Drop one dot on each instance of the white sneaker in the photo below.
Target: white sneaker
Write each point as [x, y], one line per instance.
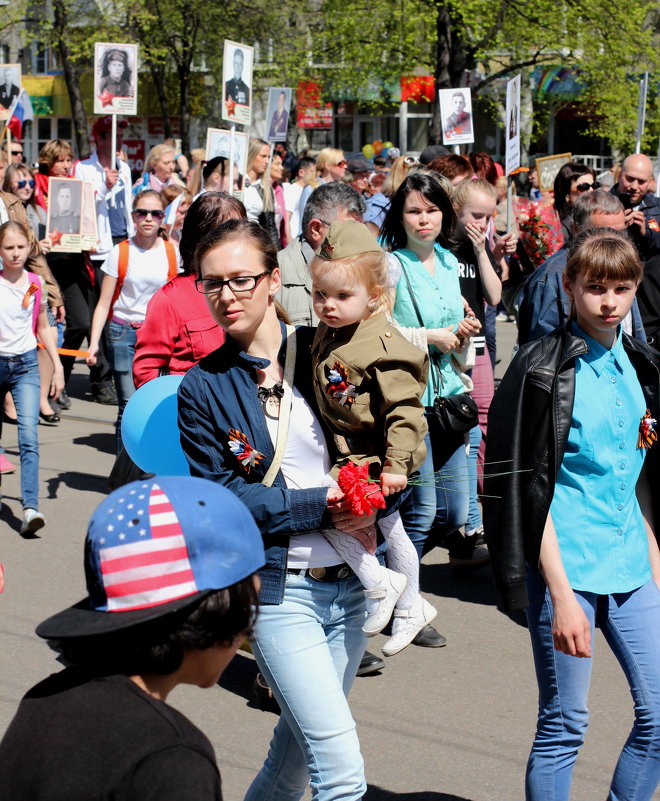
[387, 592]
[407, 624]
[32, 521]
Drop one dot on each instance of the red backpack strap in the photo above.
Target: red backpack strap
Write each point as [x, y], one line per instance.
[122, 269]
[172, 263]
[36, 280]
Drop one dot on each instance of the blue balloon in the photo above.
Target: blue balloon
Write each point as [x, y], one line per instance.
[149, 428]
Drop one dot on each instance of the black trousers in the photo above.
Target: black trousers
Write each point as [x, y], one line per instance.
[80, 298]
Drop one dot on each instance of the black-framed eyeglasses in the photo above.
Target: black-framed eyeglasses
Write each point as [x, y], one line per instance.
[24, 183]
[585, 187]
[214, 286]
[157, 214]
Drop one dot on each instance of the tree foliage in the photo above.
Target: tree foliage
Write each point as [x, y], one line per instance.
[359, 49]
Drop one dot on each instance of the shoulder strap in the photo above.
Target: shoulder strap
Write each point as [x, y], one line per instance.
[36, 280]
[432, 373]
[285, 406]
[172, 266]
[122, 269]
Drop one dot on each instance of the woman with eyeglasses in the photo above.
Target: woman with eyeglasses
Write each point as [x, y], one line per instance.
[570, 182]
[249, 420]
[134, 271]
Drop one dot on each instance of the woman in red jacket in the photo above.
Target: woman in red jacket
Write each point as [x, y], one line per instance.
[179, 330]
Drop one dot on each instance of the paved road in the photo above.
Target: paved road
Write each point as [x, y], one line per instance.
[452, 724]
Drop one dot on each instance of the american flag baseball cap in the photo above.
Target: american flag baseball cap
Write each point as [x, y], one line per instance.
[156, 546]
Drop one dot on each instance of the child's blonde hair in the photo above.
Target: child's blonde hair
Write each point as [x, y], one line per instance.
[367, 269]
[12, 225]
[462, 193]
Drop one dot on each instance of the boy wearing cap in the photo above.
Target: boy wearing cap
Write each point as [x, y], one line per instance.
[171, 595]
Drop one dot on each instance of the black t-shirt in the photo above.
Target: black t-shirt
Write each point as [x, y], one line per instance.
[76, 738]
[472, 288]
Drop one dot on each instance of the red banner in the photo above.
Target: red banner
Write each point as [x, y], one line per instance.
[311, 111]
[418, 88]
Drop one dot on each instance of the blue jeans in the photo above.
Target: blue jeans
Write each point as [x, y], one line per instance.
[474, 513]
[308, 649]
[441, 502]
[20, 376]
[630, 623]
[121, 350]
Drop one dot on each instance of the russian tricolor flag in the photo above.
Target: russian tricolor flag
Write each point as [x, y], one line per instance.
[20, 113]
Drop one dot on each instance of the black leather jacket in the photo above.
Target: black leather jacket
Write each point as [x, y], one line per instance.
[528, 427]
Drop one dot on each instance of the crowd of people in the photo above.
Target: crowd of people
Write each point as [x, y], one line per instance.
[336, 330]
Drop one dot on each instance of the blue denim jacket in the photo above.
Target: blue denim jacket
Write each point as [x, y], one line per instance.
[544, 306]
[220, 393]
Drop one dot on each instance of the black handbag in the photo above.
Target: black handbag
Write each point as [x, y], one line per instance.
[455, 414]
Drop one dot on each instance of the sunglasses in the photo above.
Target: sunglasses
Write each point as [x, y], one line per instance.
[157, 214]
[23, 184]
[341, 163]
[17, 152]
[585, 187]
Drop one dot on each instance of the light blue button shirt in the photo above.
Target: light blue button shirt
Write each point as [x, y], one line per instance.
[440, 304]
[600, 529]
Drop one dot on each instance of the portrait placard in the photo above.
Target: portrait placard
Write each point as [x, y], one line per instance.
[512, 125]
[89, 237]
[63, 225]
[115, 78]
[218, 143]
[547, 169]
[456, 114]
[237, 63]
[277, 117]
[10, 87]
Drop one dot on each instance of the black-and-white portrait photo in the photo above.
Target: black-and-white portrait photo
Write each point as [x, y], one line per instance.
[64, 213]
[115, 78]
[10, 86]
[456, 113]
[237, 83]
[116, 73]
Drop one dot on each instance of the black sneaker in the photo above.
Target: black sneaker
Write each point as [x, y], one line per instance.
[106, 395]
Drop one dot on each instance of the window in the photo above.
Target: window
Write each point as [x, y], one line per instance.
[4, 49]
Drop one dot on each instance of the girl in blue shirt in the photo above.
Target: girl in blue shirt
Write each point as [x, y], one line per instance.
[598, 562]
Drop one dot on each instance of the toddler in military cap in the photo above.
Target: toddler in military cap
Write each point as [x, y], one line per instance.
[368, 381]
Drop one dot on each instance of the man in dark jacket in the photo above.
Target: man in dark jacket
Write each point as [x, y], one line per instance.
[642, 207]
[643, 221]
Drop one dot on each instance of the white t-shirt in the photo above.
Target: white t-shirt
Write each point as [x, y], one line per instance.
[147, 272]
[16, 323]
[292, 193]
[305, 464]
[252, 200]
